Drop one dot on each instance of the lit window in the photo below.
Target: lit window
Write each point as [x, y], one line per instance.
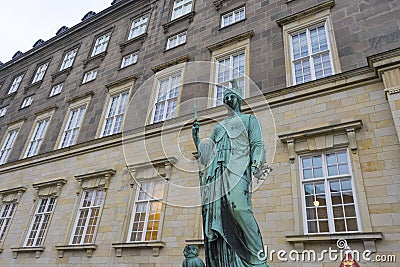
[115, 114]
[129, 60]
[68, 59]
[37, 138]
[41, 70]
[15, 84]
[101, 44]
[138, 27]
[167, 97]
[146, 214]
[176, 40]
[3, 111]
[89, 76]
[311, 56]
[72, 127]
[229, 68]
[8, 145]
[88, 217]
[233, 17]
[40, 222]
[6, 213]
[27, 102]
[56, 89]
[328, 195]
[181, 7]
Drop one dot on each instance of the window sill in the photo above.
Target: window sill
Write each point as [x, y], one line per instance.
[89, 249]
[189, 16]
[38, 251]
[35, 84]
[195, 242]
[367, 238]
[155, 245]
[67, 71]
[100, 56]
[11, 95]
[141, 38]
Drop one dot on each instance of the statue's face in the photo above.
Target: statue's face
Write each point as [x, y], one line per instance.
[231, 100]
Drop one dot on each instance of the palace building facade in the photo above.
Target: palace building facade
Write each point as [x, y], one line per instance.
[98, 166]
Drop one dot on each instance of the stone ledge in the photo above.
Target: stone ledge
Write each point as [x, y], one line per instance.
[170, 63]
[189, 16]
[89, 249]
[140, 38]
[367, 238]
[195, 242]
[155, 245]
[226, 42]
[38, 251]
[66, 71]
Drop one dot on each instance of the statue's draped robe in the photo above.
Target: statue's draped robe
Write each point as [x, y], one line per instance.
[232, 236]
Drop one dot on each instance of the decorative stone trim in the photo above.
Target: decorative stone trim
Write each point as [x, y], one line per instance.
[36, 84]
[100, 56]
[170, 63]
[17, 121]
[306, 12]
[66, 71]
[189, 16]
[140, 38]
[46, 110]
[79, 97]
[48, 188]
[154, 245]
[89, 249]
[195, 242]
[393, 90]
[95, 179]
[37, 250]
[237, 38]
[12, 195]
[367, 238]
[162, 167]
[121, 81]
[348, 128]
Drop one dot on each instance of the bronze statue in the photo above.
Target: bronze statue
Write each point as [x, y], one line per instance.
[192, 260]
[234, 152]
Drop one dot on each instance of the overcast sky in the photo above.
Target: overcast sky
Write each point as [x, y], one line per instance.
[23, 22]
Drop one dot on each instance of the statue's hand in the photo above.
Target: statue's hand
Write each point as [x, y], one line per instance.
[195, 132]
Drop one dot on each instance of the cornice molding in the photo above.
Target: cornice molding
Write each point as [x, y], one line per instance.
[79, 97]
[226, 42]
[170, 63]
[121, 81]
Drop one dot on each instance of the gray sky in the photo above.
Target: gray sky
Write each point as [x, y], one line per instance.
[23, 22]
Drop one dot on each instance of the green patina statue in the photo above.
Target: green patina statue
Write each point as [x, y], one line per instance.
[191, 257]
[234, 152]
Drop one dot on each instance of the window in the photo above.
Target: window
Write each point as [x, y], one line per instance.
[40, 222]
[146, 214]
[8, 144]
[89, 76]
[56, 89]
[129, 60]
[181, 7]
[176, 40]
[72, 128]
[68, 59]
[311, 57]
[167, 97]
[41, 70]
[115, 114]
[6, 213]
[27, 102]
[88, 217]
[233, 17]
[15, 84]
[138, 27]
[101, 44]
[228, 68]
[3, 111]
[37, 138]
[328, 198]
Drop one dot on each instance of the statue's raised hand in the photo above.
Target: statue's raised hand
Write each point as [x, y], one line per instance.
[195, 133]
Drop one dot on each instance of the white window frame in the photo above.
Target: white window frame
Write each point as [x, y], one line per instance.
[93, 205]
[176, 40]
[233, 14]
[56, 89]
[181, 8]
[129, 60]
[27, 102]
[3, 111]
[37, 137]
[101, 44]
[15, 84]
[328, 198]
[115, 113]
[41, 220]
[41, 70]
[8, 142]
[69, 59]
[73, 126]
[6, 215]
[89, 76]
[149, 199]
[138, 26]
[159, 98]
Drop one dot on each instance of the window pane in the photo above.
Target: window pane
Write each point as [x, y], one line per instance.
[322, 213]
[340, 225]
[306, 162]
[350, 211]
[318, 172]
[307, 174]
[338, 212]
[352, 225]
[323, 226]
[311, 213]
[309, 189]
[312, 227]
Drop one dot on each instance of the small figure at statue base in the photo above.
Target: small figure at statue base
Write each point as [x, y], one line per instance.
[192, 260]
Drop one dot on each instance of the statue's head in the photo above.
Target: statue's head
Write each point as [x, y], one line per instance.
[190, 251]
[232, 97]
